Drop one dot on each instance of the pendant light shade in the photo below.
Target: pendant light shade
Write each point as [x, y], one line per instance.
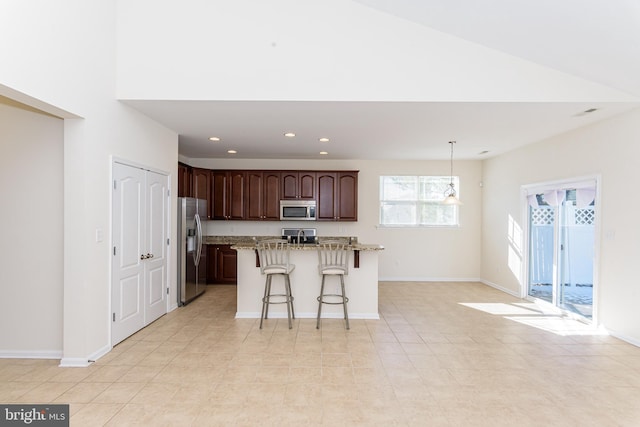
[450, 197]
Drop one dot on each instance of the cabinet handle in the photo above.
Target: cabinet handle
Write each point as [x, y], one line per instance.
[142, 256]
[149, 255]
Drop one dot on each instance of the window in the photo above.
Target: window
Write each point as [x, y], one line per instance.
[416, 201]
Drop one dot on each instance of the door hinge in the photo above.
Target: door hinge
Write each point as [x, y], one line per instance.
[167, 291]
[114, 317]
[114, 184]
[168, 193]
[167, 242]
[114, 251]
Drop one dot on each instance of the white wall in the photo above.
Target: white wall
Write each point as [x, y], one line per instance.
[410, 253]
[31, 186]
[609, 148]
[68, 62]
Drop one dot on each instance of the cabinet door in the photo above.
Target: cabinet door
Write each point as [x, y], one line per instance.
[271, 196]
[254, 202]
[307, 185]
[219, 195]
[236, 195]
[289, 184]
[212, 263]
[327, 199]
[347, 189]
[184, 180]
[227, 265]
[202, 187]
[298, 185]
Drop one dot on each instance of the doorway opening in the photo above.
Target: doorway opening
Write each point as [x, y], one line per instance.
[561, 235]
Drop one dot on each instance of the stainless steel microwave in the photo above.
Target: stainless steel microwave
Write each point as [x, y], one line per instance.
[298, 210]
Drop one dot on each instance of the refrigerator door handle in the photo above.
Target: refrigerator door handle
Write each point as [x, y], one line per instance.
[198, 251]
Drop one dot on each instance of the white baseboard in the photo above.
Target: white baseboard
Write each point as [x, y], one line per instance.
[623, 337]
[283, 315]
[74, 362]
[429, 279]
[500, 288]
[26, 354]
[79, 362]
[99, 353]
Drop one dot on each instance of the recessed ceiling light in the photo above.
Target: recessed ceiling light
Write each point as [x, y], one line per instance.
[231, 151]
[289, 134]
[324, 153]
[324, 140]
[484, 152]
[214, 138]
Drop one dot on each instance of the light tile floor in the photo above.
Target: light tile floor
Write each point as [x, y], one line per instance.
[443, 354]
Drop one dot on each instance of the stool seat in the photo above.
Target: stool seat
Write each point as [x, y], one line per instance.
[279, 269]
[333, 260]
[273, 255]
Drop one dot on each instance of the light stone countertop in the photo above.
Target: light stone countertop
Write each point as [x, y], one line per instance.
[249, 243]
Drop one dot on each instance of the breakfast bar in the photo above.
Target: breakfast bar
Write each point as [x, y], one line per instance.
[361, 283]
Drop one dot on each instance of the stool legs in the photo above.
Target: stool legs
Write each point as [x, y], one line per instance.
[343, 297]
[320, 302]
[344, 301]
[288, 299]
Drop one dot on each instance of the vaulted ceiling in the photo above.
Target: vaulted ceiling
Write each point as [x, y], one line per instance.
[589, 42]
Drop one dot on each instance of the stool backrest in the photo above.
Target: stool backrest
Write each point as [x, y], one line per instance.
[333, 256]
[273, 255]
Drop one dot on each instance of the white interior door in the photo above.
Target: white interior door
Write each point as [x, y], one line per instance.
[127, 286]
[139, 268]
[157, 210]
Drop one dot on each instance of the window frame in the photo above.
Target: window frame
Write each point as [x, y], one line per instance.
[418, 202]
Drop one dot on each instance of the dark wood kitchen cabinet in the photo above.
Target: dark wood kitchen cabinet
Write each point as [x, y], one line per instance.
[222, 265]
[227, 194]
[254, 195]
[201, 187]
[337, 196]
[184, 180]
[262, 195]
[298, 185]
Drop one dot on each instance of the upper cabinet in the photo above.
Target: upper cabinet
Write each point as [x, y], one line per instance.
[201, 187]
[298, 185]
[184, 180]
[337, 196]
[255, 195]
[262, 195]
[227, 194]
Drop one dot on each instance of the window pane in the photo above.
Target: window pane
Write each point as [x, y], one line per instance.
[398, 214]
[438, 214]
[434, 187]
[399, 188]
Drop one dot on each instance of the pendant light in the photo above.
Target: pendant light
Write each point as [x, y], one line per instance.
[450, 193]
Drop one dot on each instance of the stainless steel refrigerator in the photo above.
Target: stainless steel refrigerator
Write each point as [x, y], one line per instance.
[192, 264]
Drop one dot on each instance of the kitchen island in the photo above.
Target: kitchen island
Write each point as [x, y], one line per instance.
[361, 283]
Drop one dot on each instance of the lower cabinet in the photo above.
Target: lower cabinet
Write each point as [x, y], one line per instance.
[222, 265]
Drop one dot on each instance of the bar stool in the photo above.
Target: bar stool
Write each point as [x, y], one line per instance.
[333, 260]
[274, 261]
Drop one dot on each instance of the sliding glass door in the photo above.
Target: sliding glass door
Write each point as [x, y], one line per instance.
[561, 248]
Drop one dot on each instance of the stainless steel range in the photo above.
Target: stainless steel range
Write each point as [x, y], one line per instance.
[300, 235]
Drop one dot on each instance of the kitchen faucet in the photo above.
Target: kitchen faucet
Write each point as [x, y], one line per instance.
[300, 232]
